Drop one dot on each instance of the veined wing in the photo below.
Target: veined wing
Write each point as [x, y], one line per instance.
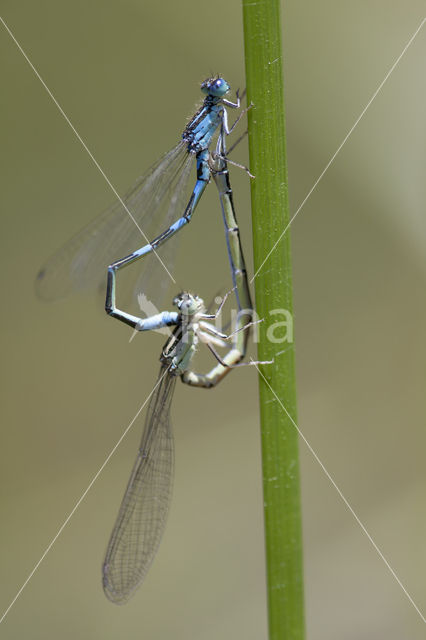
[155, 201]
[143, 512]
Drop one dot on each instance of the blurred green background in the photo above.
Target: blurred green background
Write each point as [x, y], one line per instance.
[127, 74]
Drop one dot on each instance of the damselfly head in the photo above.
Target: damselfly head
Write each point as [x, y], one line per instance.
[188, 304]
[216, 87]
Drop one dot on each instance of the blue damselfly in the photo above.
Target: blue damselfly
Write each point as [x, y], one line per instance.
[152, 205]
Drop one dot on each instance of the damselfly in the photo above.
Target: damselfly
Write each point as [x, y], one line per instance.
[141, 520]
[151, 206]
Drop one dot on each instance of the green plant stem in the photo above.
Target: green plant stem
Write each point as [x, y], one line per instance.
[273, 286]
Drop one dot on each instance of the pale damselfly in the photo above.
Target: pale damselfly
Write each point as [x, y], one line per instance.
[142, 516]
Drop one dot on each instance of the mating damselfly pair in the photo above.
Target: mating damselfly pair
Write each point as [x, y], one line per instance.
[159, 197]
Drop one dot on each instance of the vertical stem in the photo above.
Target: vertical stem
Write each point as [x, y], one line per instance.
[273, 286]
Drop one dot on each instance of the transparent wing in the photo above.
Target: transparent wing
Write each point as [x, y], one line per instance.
[155, 201]
[143, 512]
